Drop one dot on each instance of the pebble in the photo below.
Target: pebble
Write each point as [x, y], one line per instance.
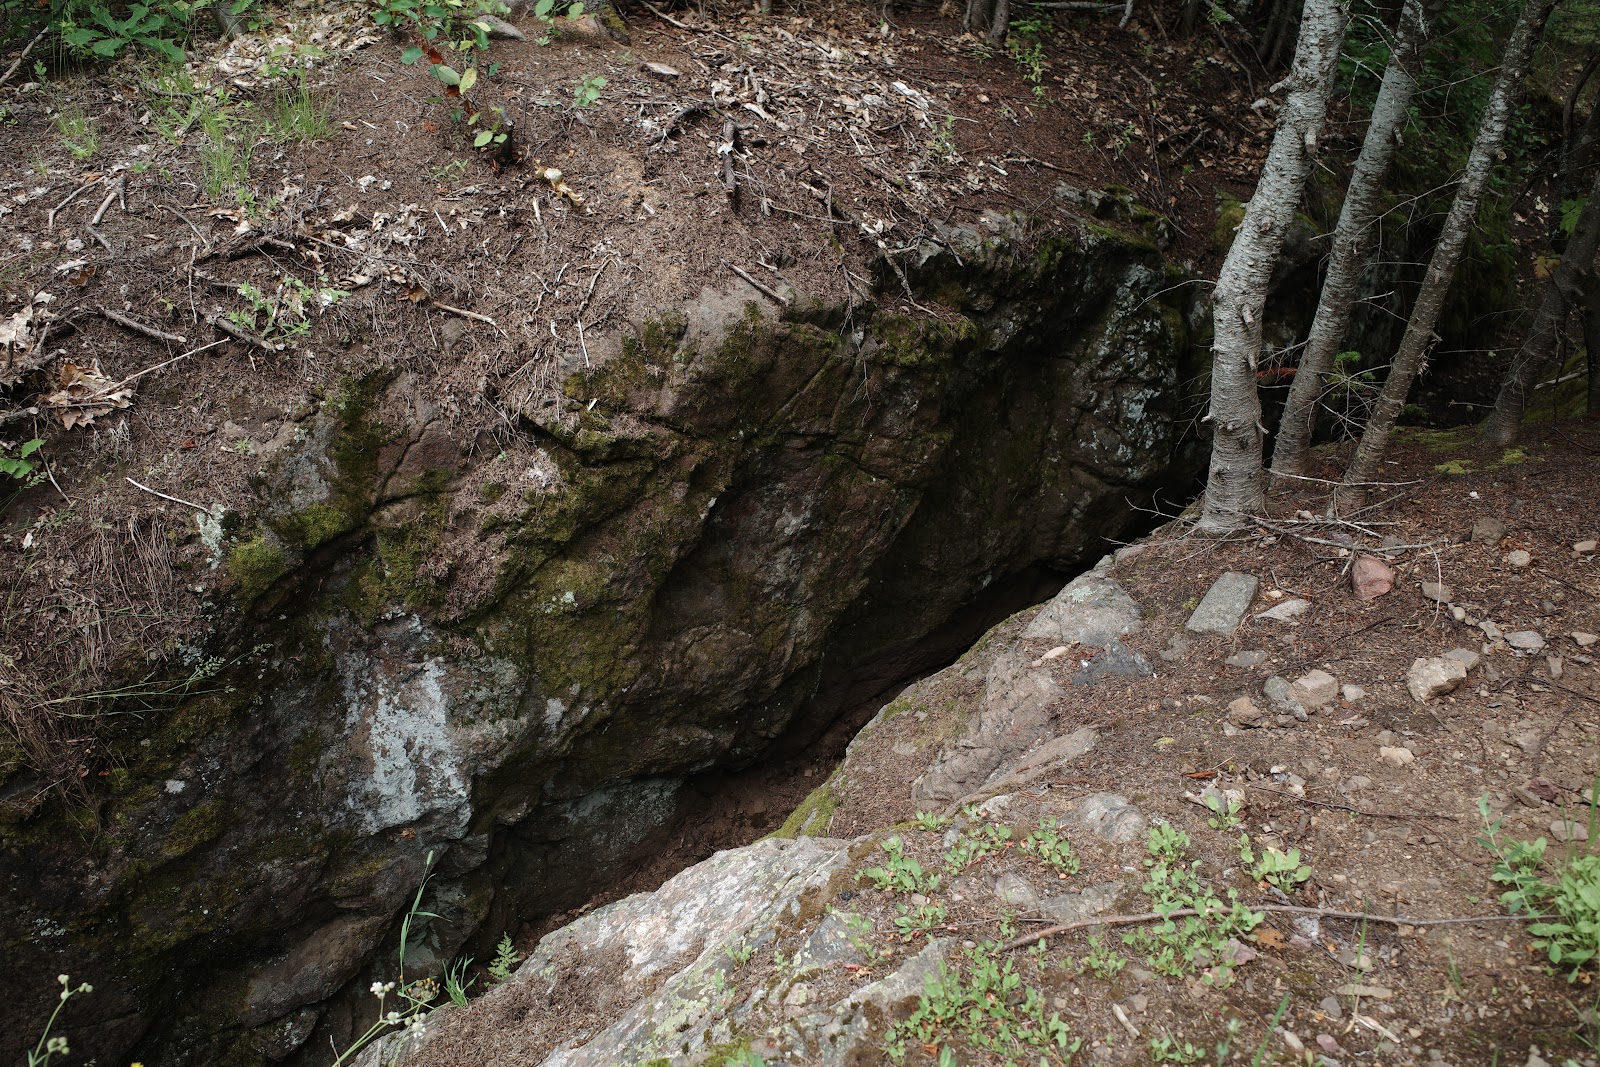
[1331, 1007]
[1437, 591]
[1584, 640]
[1370, 577]
[1434, 677]
[1315, 689]
[1582, 547]
[1250, 658]
[1458, 613]
[1243, 712]
[1519, 558]
[1525, 640]
[1556, 666]
[1488, 530]
[1466, 657]
[1396, 757]
[1352, 693]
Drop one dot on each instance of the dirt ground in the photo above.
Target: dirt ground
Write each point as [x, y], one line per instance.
[188, 276]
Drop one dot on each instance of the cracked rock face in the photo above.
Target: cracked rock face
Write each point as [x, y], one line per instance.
[513, 657]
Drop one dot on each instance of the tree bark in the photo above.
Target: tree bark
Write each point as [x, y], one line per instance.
[1538, 353]
[1352, 240]
[1419, 334]
[1591, 336]
[1234, 486]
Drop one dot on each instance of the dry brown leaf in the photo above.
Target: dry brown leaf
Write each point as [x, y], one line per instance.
[84, 395]
[1270, 938]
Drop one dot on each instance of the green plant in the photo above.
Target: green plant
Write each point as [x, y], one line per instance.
[942, 145]
[18, 466]
[587, 89]
[416, 997]
[1282, 869]
[1050, 848]
[297, 114]
[506, 958]
[225, 154]
[1171, 1050]
[1026, 47]
[1568, 904]
[980, 840]
[900, 873]
[911, 922]
[1225, 812]
[286, 316]
[47, 1046]
[1102, 962]
[745, 1057]
[1187, 945]
[102, 34]
[78, 132]
[454, 987]
[984, 1004]
[927, 820]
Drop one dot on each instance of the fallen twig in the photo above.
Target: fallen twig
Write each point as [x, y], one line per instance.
[221, 322]
[730, 179]
[473, 315]
[1291, 909]
[138, 327]
[50, 219]
[174, 499]
[663, 16]
[760, 286]
[16, 64]
[1347, 807]
[120, 188]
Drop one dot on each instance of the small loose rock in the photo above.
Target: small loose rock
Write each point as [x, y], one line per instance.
[1519, 558]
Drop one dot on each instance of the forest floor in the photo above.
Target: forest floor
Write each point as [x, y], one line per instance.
[191, 259]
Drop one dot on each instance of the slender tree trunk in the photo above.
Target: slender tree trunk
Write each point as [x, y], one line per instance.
[1000, 23]
[1452, 242]
[1234, 486]
[1538, 353]
[1591, 336]
[1351, 241]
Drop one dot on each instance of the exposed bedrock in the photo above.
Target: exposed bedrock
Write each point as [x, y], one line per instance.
[511, 648]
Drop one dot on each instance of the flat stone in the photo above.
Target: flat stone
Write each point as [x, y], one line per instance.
[1396, 756]
[499, 29]
[1525, 640]
[1437, 592]
[1315, 689]
[1434, 677]
[1072, 907]
[1116, 660]
[1555, 665]
[1091, 610]
[1352, 693]
[1584, 640]
[1013, 889]
[1243, 712]
[1466, 657]
[1108, 816]
[1488, 530]
[1519, 557]
[1225, 604]
[1287, 611]
[1583, 547]
[1370, 577]
[1490, 630]
[1252, 658]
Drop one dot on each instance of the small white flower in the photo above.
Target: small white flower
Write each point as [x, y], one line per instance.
[377, 989]
[393, 1018]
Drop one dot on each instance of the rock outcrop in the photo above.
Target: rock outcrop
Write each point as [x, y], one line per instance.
[511, 649]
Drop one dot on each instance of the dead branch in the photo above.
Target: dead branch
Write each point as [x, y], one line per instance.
[1347, 807]
[221, 322]
[16, 64]
[50, 219]
[119, 189]
[140, 328]
[760, 286]
[1291, 909]
[164, 496]
[473, 315]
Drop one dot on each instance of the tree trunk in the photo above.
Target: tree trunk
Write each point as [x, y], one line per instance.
[1000, 24]
[1538, 353]
[1234, 486]
[1452, 241]
[1351, 241]
[1591, 336]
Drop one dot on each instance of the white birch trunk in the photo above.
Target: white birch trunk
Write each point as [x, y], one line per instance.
[1538, 353]
[1234, 486]
[1352, 239]
[1419, 334]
